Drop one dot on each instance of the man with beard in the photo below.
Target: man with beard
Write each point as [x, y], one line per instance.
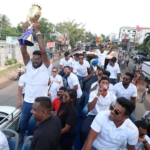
[37, 77]
[57, 101]
[128, 90]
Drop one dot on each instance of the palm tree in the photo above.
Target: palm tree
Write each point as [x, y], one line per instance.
[4, 21]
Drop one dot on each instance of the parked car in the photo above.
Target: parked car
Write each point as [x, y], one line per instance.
[142, 53]
[136, 57]
[141, 59]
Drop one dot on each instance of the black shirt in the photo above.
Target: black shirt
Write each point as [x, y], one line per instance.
[68, 116]
[47, 135]
[88, 84]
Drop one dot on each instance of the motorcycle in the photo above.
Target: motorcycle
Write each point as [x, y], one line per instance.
[18, 74]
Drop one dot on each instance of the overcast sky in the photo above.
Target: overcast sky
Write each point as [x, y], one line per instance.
[99, 16]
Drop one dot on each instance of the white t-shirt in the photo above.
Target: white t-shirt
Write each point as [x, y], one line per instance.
[138, 146]
[20, 69]
[64, 63]
[113, 70]
[145, 91]
[58, 78]
[22, 82]
[103, 103]
[81, 70]
[74, 63]
[53, 89]
[101, 58]
[72, 81]
[120, 91]
[3, 142]
[147, 114]
[111, 87]
[36, 81]
[110, 137]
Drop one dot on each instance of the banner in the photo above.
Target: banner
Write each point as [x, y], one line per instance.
[50, 44]
[101, 37]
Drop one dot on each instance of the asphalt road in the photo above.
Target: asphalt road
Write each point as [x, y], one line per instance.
[8, 93]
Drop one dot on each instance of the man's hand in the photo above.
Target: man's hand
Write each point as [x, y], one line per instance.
[141, 140]
[36, 27]
[100, 91]
[25, 25]
[19, 104]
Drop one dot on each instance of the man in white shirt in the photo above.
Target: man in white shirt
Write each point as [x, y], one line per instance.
[114, 70]
[37, 77]
[110, 129]
[53, 89]
[73, 82]
[99, 100]
[146, 117]
[21, 89]
[3, 142]
[101, 56]
[144, 94]
[143, 139]
[75, 61]
[128, 90]
[81, 69]
[67, 61]
[56, 77]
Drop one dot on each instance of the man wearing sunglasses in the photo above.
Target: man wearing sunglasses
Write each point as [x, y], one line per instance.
[81, 69]
[56, 77]
[127, 89]
[99, 100]
[111, 128]
[37, 77]
[143, 140]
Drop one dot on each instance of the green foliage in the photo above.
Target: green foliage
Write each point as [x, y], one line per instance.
[14, 61]
[73, 30]
[9, 62]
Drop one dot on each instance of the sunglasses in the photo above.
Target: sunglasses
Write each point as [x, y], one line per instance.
[116, 111]
[36, 60]
[54, 71]
[80, 58]
[65, 95]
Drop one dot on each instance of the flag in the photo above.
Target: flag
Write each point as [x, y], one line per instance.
[101, 37]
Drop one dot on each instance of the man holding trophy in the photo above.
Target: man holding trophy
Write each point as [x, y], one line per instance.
[38, 72]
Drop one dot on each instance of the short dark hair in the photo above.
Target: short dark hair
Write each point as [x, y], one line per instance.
[44, 102]
[113, 59]
[141, 124]
[68, 67]
[95, 56]
[76, 54]
[37, 52]
[84, 52]
[66, 54]
[104, 78]
[101, 47]
[125, 103]
[106, 73]
[80, 55]
[130, 75]
[63, 88]
[55, 68]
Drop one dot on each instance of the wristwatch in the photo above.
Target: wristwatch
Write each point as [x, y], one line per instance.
[38, 33]
[145, 142]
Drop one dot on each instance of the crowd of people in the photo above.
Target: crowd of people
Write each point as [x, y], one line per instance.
[53, 98]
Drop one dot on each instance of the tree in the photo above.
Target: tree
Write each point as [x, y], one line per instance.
[146, 41]
[4, 22]
[74, 31]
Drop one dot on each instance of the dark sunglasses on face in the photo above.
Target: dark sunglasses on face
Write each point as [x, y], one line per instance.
[80, 58]
[116, 111]
[65, 95]
[36, 60]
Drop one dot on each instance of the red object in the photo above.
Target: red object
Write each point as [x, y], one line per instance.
[56, 104]
[138, 28]
[50, 44]
[54, 71]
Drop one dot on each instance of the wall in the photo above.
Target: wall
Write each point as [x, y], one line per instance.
[13, 51]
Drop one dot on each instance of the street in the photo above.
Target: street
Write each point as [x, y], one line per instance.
[8, 93]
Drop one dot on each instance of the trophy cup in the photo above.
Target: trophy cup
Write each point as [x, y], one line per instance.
[34, 15]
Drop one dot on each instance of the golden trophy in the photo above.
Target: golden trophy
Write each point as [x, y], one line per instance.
[34, 15]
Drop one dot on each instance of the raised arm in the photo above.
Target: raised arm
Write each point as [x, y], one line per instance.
[45, 58]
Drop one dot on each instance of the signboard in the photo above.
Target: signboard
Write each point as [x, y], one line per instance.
[50, 44]
[11, 40]
[60, 37]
